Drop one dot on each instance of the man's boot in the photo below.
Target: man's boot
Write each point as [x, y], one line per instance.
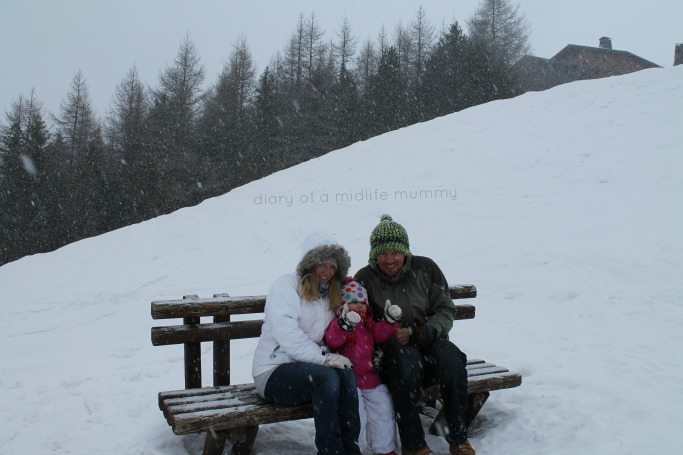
[462, 449]
[423, 451]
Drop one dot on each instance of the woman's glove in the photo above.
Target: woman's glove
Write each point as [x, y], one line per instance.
[348, 319]
[392, 313]
[337, 361]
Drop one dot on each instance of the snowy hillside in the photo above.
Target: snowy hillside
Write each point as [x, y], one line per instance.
[563, 207]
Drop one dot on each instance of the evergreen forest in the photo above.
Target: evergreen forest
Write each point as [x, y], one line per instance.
[175, 142]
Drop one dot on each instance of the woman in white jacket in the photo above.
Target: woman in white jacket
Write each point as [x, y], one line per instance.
[291, 364]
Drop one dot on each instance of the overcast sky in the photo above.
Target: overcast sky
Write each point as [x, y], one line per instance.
[46, 42]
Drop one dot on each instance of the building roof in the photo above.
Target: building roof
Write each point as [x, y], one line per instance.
[573, 49]
[576, 62]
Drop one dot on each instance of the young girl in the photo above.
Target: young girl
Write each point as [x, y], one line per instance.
[353, 333]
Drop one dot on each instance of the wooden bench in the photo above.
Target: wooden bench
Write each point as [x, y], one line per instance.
[234, 412]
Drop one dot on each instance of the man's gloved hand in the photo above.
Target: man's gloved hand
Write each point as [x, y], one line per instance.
[337, 361]
[348, 319]
[392, 313]
[423, 336]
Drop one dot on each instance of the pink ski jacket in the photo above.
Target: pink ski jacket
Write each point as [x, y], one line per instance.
[358, 345]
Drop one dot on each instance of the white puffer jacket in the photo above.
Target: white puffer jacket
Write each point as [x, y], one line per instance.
[293, 329]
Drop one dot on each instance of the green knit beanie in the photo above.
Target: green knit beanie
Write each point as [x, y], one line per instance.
[388, 235]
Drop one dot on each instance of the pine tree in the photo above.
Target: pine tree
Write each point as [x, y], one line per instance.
[304, 109]
[404, 48]
[444, 84]
[125, 131]
[16, 184]
[268, 137]
[345, 46]
[461, 73]
[499, 26]
[320, 103]
[422, 35]
[313, 37]
[226, 125]
[81, 181]
[76, 122]
[29, 215]
[347, 105]
[387, 102]
[366, 66]
[296, 53]
[172, 130]
[488, 78]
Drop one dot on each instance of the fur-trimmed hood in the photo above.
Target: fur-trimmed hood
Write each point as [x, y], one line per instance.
[318, 250]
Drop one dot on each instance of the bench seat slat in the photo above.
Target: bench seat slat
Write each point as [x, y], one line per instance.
[248, 416]
[484, 371]
[233, 394]
[496, 381]
[206, 390]
[217, 395]
[249, 388]
[229, 405]
[235, 399]
[226, 398]
[173, 405]
[239, 406]
[479, 365]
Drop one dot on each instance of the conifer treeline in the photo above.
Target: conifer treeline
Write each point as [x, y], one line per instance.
[161, 149]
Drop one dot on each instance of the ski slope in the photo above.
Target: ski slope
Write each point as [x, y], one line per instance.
[563, 207]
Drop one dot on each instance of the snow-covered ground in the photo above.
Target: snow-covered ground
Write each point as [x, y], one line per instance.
[567, 216]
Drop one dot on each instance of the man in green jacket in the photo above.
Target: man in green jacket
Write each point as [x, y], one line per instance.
[420, 349]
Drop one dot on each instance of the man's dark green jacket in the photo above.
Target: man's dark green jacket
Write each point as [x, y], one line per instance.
[420, 289]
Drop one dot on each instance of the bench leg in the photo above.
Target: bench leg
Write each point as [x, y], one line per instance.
[214, 443]
[438, 425]
[242, 440]
[475, 401]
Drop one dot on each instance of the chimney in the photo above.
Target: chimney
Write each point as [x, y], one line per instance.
[605, 43]
[678, 54]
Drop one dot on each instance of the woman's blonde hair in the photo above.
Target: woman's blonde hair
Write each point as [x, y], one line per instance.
[308, 290]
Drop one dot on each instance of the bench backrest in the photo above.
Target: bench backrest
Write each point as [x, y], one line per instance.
[220, 329]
